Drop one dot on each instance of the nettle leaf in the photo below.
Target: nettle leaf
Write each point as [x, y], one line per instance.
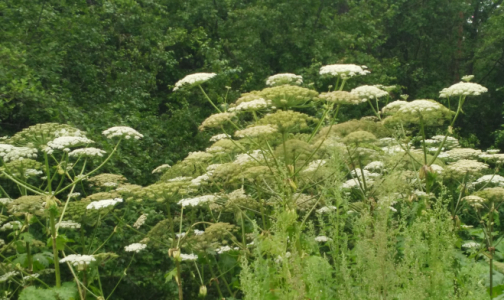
[27, 237]
[67, 291]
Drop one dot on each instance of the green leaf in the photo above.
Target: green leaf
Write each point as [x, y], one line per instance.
[170, 275]
[61, 241]
[68, 291]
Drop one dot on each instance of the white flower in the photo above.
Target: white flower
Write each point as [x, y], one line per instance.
[5, 148]
[375, 165]
[216, 120]
[219, 137]
[437, 168]
[161, 168]
[198, 156]
[140, 221]
[326, 209]
[201, 179]
[322, 238]
[197, 200]
[223, 249]
[11, 225]
[471, 245]
[314, 165]
[465, 165]
[255, 131]
[32, 172]
[244, 158]
[496, 179]
[253, 105]
[122, 131]
[68, 224]
[344, 70]
[30, 277]
[196, 78]
[5, 201]
[78, 259]
[188, 257]
[135, 247]
[180, 178]
[368, 92]
[89, 152]
[284, 78]
[463, 89]
[103, 203]
[198, 232]
[493, 151]
[8, 275]
[68, 141]
[420, 105]
[20, 153]
[393, 106]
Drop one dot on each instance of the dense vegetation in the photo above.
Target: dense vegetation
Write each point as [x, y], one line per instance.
[320, 185]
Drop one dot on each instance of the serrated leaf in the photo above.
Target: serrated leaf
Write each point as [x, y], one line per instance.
[67, 291]
[61, 241]
[33, 293]
[170, 275]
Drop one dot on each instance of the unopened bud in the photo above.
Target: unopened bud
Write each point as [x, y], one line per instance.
[202, 291]
[175, 253]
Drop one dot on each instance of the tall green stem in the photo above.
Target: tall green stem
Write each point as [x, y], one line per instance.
[52, 220]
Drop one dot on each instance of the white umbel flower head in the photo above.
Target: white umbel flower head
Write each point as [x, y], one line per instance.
[256, 131]
[322, 239]
[161, 168]
[193, 79]
[463, 89]
[284, 78]
[5, 148]
[314, 165]
[471, 245]
[78, 259]
[11, 225]
[368, 92]
[223, 249]
[68, 224]
[140, 221]
[188, 257]
[219, 137]
[253, 105]
[87, 152]
[197, 200]
[8, 275]
[122, 131]
[104, 203]
[393, 106]
[20, 153]
[65, 142]
[344, 70]
[135, 247]
[326, 209]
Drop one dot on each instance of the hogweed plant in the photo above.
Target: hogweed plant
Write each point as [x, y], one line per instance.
[42, 168]
[286, 202]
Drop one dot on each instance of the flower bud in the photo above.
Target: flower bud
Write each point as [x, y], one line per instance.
[202, 291]
[175, 253]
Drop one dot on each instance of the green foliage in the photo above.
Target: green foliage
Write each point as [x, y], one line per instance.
[68, 291]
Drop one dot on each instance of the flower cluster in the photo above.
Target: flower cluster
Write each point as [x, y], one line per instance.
[87, 152]
[368, 92]
[341, 97]
[343, 70]
[463, 89]
[135, 247]
[256, 131]
[104, 203]
[65, 142]
[78, 259]
[161, 168]
[122, 131]
[197, 200]
[284, 78]
[219, 137]
[253, 105]
[20, 153]
[68, 224]
[194, 79]
[322, 239]
[464, 166]
[140, 221]
[216, 120]
[188, 257]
